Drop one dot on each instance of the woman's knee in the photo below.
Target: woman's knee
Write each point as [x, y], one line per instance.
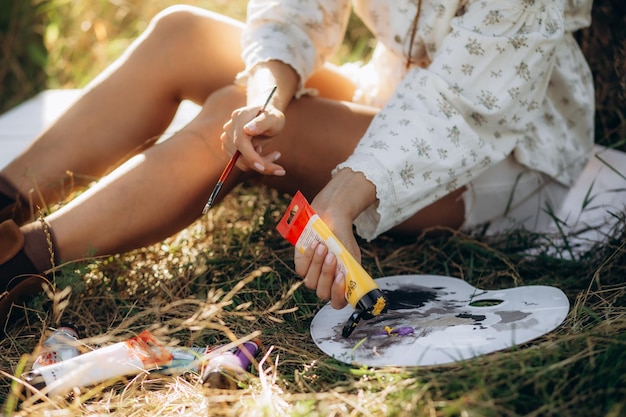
[199, 49]
[178, 22]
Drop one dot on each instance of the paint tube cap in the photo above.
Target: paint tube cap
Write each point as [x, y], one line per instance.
[60, 345]
[70, 328]
[369, 306]
[351, 323]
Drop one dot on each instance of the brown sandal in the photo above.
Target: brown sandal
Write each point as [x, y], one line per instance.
[23, 288]
[19, 278]
[13, 206]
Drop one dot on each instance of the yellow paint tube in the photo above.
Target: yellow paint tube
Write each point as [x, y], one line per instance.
[301, 226]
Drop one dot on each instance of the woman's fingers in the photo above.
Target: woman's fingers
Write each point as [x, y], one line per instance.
[248, 139]
[318, 266]
[309, 264]
[326, 277]
[338, 292]
[269, 165]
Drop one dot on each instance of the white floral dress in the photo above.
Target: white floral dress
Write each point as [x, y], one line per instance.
[489, 78]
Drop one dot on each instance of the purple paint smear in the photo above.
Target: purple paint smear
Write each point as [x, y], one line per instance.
[398, 331]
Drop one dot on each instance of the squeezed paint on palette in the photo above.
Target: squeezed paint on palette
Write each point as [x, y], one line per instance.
[436, 324]
[417, 312]
[408, 298]
[405, 307]
[402, 298]
[511, 316]
[477, 318]
[413, 299]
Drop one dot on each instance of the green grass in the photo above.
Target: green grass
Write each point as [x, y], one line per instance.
[204, 288]
[182, 289]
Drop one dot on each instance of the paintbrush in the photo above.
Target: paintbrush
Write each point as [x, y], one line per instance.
[232, 162]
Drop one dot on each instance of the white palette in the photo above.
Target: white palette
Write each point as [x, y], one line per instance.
[432, 322]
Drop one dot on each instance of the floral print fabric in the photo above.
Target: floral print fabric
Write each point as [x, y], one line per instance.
[486, 79]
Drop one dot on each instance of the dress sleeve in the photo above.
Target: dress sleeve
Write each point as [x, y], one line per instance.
[447, 123]
[301, 33]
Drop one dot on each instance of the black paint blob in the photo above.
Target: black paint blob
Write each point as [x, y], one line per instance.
[407, 298]
[476, 317]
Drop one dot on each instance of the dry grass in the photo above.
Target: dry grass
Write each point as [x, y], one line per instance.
[229, 275]
[204, 288]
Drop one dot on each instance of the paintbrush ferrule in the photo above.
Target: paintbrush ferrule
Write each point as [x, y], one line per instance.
[209, 202]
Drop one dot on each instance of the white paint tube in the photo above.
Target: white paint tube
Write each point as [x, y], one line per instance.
[126, 358]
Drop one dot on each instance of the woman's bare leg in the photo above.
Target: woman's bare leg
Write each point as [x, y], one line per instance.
[127, 107]
[162, 190]
[149, 197]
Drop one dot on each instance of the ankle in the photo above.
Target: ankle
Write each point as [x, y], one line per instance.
[13, 205]
[39, 245]
[25, 250]
[19, 269]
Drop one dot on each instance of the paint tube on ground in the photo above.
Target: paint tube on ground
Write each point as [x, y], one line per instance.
[62, 344]
[187, 359]
[184, 359]
[130, 357]
[227, 369]
[300, 225]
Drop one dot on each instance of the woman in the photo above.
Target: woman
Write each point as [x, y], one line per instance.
[468, 113]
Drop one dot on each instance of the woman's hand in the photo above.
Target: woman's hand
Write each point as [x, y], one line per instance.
[246, 131]
[340, 202]
[249, 127]
[318, 266]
